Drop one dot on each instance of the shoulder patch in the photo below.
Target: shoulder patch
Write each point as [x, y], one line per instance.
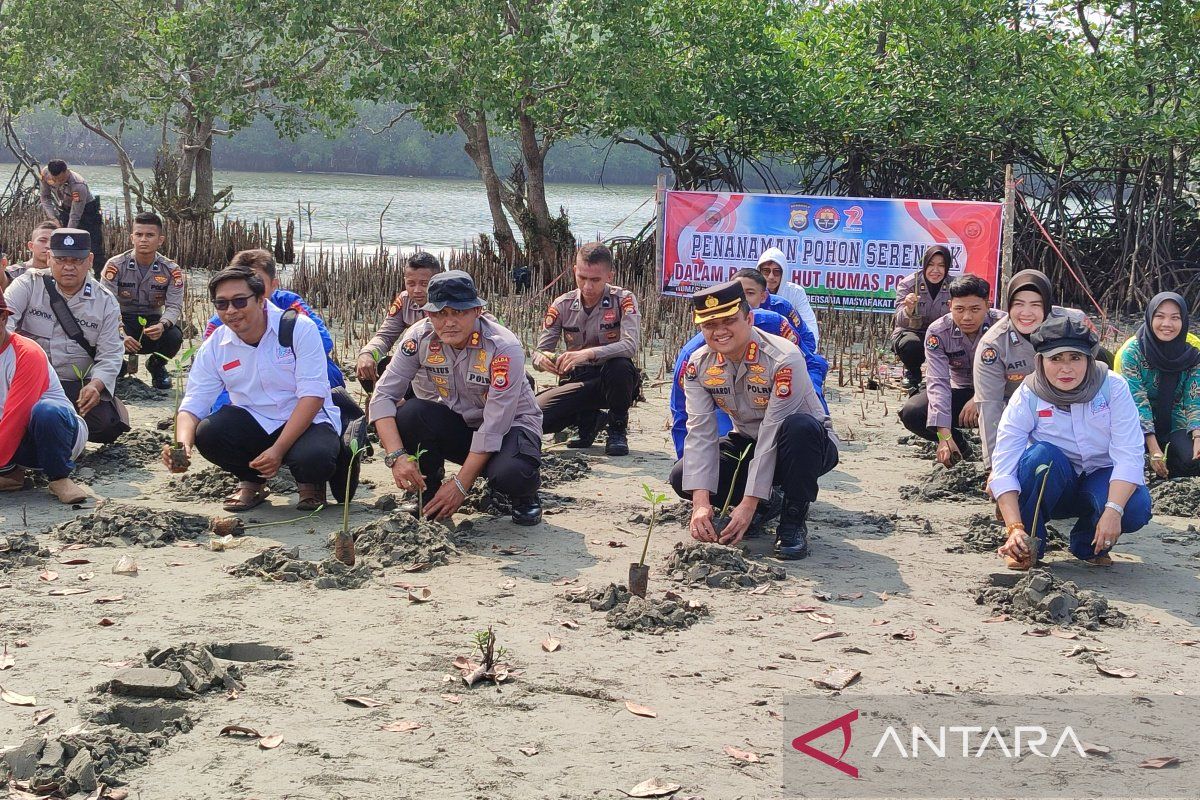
[551, 316]
[500, 379]
[177, 274]
[783, 382]
[932, 342]
[689, 371]
[628, 305]
[988, 356]
[409, 347]
[110, 273]
[396, 306]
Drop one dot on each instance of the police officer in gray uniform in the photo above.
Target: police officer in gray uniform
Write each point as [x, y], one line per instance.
[85, 354]
[921, 298]
[405, 310]
[150, 286]
[471, 405]
[1005, 354]
[781, 434]
[946, 405]
[602, 330]
[65, 196]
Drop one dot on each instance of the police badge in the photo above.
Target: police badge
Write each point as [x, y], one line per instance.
[798, 220]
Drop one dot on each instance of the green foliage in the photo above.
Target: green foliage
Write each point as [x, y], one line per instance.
[655, 499]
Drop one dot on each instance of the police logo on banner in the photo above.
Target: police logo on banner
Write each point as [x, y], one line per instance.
[827, 219]
[798, 220]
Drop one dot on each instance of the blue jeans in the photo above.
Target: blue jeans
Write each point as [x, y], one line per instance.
[49, 439]
[1069, 495]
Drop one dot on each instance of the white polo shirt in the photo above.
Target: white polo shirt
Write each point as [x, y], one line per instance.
[266, 379]
[795, 294]
[1103, 433]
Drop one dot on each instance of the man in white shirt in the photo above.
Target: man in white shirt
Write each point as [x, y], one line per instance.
[280, 412]
[773, 266]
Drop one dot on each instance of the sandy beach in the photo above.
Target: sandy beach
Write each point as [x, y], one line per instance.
[884, 573]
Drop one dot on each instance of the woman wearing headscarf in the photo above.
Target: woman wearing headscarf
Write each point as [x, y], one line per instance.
[1069, 445]
[1005, 355]
[921, 298]
[1163, 371]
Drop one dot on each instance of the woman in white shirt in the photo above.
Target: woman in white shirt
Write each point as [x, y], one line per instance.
[1071, 436]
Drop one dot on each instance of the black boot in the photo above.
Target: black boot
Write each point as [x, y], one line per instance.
[160, 378]
[527, 510]
[617, 443]
[766, 512]
[792, 532]
[590, 423]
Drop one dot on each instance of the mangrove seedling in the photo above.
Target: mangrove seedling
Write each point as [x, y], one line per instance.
[142, 325]
[639, 573]
[1031, 536]
[416, 459]
[343, 542]
[492, 667]
[722, 514]
[179, 458]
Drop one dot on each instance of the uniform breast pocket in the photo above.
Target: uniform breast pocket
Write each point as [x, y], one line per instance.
[158, 297]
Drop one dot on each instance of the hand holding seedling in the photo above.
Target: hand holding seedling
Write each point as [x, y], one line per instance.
[702, 518]
[133, 345]
[89, 397]
[172, 465]
[154, 332]
[408, 476]
[545, 362]
[739, 521]
[367, 367]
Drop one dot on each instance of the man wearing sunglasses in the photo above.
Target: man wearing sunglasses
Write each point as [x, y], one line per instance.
[149, 288]
[472, 405]
[280, 413]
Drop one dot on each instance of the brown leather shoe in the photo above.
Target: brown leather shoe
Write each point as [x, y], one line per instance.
[68, 492]
[13, 481]
[312, 496]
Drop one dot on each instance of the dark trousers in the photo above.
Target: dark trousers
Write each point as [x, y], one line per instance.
[49, 439]
[93, 223]
[1179, 458]
[612, 385]
[805, 454]
[915, 412]
[910, 349]
[166, 346]
[231, 439]
[514, 470]
[1069, 495]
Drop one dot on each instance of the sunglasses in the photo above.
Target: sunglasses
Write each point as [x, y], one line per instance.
[239, 302]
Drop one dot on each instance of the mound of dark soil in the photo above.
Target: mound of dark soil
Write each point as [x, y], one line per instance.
[718, 566]
[215, 484]
[627, 612]
[962, 482]
[113, 525]
[1041, 598]
[279, 564]
[1178, 497]
[139, 448]
[21, 550]
[400, 539]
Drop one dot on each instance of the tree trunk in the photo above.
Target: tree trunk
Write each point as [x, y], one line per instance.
[204, 202]
[540, 242]
[474, 126]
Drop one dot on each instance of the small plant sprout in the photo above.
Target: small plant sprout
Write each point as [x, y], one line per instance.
[141, 324]
[733, 481]
[309, 515]
[655, 499]
[81, 375]
[416, 459]
[1044, 471]
[343, 545]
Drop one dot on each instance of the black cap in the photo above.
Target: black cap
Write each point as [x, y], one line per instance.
[70, 243]
[454, 289]
[718, 302]
[1063, 333]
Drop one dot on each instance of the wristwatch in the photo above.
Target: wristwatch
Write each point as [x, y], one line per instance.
[391, 458]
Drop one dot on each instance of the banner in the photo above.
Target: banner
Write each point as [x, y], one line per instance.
[848, 253]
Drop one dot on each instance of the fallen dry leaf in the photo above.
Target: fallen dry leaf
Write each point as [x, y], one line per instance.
[125, 566]
[112, 598]
[640, 710]
[528, 751]
[883, 596]
[613, 543]
[550, 644]
[1095, 749]
[569, 624]
[509, 584]
[41, 717]
[875, 623]
[452, 698]
[998, 618]
[186, 545]
[936, 628]
[85, 576]
[14, 699]
[1188, 642]
[403, 726]
[824, 619]
[741, 755]
[421, 595]
[655, 787]
[564, 581]
[1115, 672]
[47, 575]
[233, 695]
[850, 596]
[763, 589]
[72, 547]
[363, 702]
[836, 678]
[175, 563]
[1159, 763]
[908, 634]
[239, 730]
[270, 742]
[802, 609]
[820, 637]
[1064, 634]
[73, 562]
[595, 541]
[105, 622]
[67, 592]
[856, 649]
[1038, 632]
